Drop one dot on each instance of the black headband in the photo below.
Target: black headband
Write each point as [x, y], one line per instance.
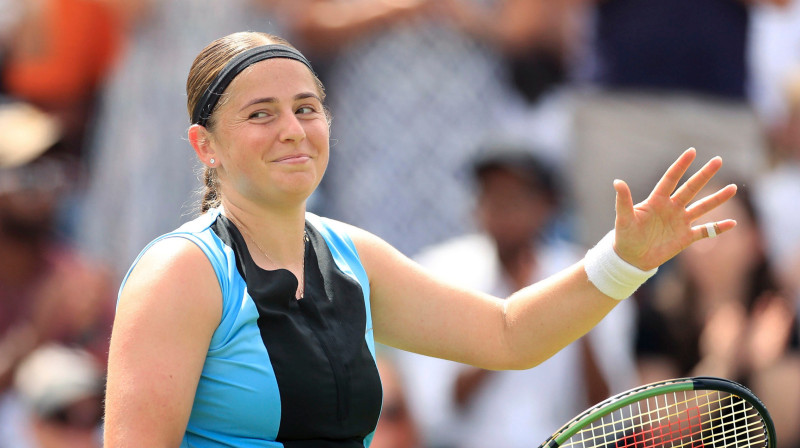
[202, 111]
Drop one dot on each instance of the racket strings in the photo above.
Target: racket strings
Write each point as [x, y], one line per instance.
[755, 440]
[650, 412]
[733, 420]
[617, 399]
[658, 439]
[734, 434]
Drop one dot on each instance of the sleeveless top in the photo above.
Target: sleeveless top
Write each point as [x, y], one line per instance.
[282, 372]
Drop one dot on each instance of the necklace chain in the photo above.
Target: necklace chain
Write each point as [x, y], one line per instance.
[301, 282]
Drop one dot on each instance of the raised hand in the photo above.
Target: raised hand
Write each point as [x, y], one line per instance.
[653, 231]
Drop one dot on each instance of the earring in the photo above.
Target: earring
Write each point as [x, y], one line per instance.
[212, 161]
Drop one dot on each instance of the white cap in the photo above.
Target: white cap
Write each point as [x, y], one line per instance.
[25, 133]
[54, 376]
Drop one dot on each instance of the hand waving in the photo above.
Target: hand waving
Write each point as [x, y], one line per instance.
[653, 231]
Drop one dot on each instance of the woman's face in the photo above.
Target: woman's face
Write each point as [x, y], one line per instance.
[509, 209]
[271, 136]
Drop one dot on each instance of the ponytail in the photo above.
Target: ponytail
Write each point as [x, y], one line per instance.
[211, 197]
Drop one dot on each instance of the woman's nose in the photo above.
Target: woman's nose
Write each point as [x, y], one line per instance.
[291, 130]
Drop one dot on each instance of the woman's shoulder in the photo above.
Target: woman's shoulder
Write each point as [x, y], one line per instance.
[173, 274]
[171, 260]
[337, 231]
[178, 243]
[183, 251]
[199, 223]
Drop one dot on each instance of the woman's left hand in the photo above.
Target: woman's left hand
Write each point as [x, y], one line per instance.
[653, 231]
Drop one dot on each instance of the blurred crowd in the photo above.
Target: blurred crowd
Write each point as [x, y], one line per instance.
[480, 137]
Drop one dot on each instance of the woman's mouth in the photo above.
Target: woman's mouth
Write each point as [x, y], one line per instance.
[294, 158]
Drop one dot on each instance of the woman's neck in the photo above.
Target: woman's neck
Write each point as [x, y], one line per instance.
[277, 233]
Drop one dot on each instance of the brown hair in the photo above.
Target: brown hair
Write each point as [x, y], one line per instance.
[206, 66]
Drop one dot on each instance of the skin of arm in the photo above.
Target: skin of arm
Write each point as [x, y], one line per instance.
[415, 311]
[132, 12]
[780, 3]
[325, 25]
[167, 312]
[749, 2]
[512, 26]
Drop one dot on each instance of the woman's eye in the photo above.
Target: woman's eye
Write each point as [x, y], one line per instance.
[306, 110]
[259, 114]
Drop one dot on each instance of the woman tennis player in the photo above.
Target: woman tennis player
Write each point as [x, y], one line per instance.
[253, 324]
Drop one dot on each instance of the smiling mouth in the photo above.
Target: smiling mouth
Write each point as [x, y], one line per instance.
[294, 158]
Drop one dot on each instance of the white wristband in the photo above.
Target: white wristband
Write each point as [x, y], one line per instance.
[612, 275]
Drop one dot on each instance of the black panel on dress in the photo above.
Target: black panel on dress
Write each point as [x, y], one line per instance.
[329, 385]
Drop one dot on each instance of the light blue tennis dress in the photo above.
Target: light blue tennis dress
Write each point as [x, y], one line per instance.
[282, 372]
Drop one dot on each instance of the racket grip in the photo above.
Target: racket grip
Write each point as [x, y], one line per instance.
[612, 275]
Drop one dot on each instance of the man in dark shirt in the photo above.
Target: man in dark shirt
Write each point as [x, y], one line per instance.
[665, 75]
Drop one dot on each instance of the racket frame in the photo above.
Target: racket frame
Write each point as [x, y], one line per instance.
[646, 391]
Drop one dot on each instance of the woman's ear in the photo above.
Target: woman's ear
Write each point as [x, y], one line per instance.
[200, 139]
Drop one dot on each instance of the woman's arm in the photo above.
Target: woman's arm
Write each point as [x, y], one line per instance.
[515, 26]
[325, 25]
[166, 315]
[132, 12]
[415, 311]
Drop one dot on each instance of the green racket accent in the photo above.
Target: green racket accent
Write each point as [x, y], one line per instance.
[700, 412]
[613, 404]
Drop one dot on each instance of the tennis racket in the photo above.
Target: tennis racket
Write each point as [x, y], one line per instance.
[700, 412]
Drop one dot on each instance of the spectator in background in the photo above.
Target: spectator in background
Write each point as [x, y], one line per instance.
[518, 197]
[719, 311]
[781, 223]
[540, 67]
[664, 74]
[48, 291]
[140, 152]
[57, 56]
[781, 233]
[774, 53]
[387, 66]
[60, 393]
